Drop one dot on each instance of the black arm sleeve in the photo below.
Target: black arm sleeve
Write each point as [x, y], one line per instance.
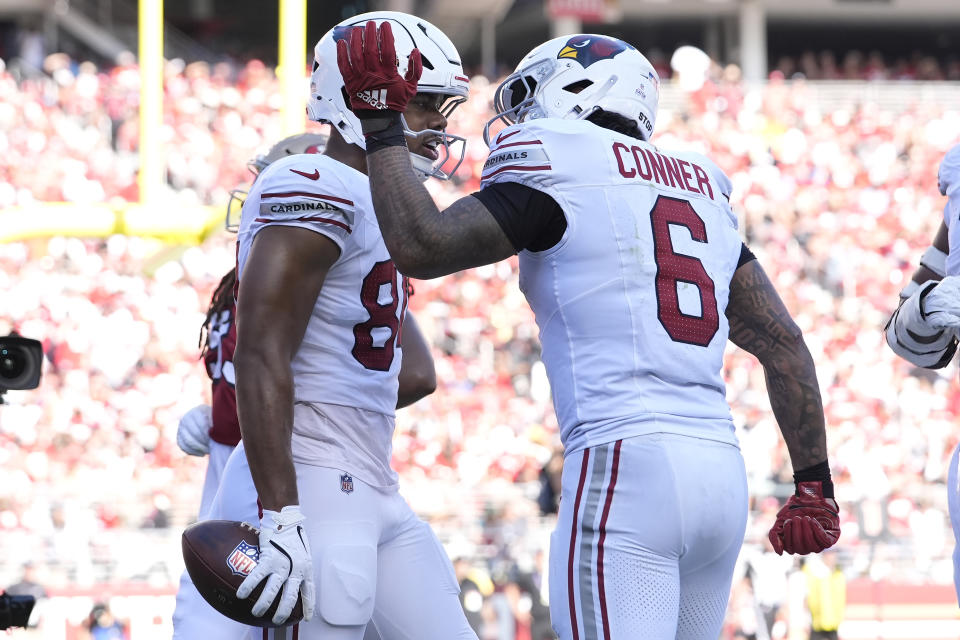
[745, 255]
[530, 219]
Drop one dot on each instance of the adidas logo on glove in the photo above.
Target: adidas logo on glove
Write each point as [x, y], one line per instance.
[376, 97]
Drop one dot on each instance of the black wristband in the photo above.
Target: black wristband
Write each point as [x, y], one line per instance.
[817, 473]
[382, 129]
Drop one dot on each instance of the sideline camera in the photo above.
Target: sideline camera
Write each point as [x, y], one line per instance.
[21, 361]
[15, 610]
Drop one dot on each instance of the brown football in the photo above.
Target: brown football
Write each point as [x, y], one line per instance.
[219, 554]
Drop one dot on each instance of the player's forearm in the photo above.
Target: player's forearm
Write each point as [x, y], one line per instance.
[795, 399]
[405, 210]
[265, 406]
[761, 325]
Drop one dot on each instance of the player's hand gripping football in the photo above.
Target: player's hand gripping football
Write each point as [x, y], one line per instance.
[285, 562]
[368, 63]
[808, 523]
[193, 432]
[941, 307]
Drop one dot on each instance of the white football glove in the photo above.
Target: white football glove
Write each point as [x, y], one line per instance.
[285, 561]
[941, 307]
[193, 433]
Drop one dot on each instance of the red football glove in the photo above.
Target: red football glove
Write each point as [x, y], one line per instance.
[808, 523]
[368, 65]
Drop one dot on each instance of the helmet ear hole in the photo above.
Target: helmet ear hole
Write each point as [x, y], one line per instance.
[578, 86]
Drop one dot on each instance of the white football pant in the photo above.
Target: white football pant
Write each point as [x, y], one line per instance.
[647, 537]
[373, 559]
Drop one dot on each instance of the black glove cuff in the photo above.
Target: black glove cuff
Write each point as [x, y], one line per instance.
[372, 120]
[383, 129]
[817, 473]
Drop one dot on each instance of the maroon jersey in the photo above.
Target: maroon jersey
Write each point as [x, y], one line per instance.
[221, 341]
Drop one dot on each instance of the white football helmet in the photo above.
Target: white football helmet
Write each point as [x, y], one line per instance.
[571, 77]
[442, 74]
[289, 146]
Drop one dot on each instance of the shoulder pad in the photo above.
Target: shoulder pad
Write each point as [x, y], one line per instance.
[305, 189]
[723, 181]
[720, 180]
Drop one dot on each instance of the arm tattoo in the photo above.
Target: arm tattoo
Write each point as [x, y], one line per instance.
[424, 242]
[761, 325]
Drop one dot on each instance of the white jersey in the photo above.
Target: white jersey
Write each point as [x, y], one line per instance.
[350, 355]
[948, 179]
[630, 303]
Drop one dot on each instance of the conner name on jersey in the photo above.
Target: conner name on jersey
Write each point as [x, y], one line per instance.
[640, 163]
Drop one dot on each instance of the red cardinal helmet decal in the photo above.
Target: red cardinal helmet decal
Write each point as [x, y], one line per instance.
[587, 49]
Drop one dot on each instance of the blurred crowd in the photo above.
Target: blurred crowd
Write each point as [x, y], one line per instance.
[873, 65]
[836, 203]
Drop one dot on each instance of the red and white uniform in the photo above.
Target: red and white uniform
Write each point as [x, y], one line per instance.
[373, 558]
[221, 341]
[630, 304]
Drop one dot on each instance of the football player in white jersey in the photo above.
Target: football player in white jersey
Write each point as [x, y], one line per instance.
[631, 261]
[925, 327]
[320, 309]
[213, 430]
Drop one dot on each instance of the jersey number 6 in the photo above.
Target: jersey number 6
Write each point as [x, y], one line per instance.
[674, 268]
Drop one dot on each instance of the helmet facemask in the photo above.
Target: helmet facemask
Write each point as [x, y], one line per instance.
[447, 146]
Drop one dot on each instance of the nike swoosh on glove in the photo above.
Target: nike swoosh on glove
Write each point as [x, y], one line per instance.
[941, 306]
[367, 58]
[285, 562]
[193, 432]
[808, 523]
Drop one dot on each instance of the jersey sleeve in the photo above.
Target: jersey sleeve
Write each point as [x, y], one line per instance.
[530, 219]
[299, 193]
[518, 154]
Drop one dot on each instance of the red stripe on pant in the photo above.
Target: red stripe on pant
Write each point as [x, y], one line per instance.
[603, 535]
[573, 544]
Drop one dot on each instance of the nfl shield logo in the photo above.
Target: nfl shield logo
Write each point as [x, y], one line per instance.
[346, 483]
[243, 558]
